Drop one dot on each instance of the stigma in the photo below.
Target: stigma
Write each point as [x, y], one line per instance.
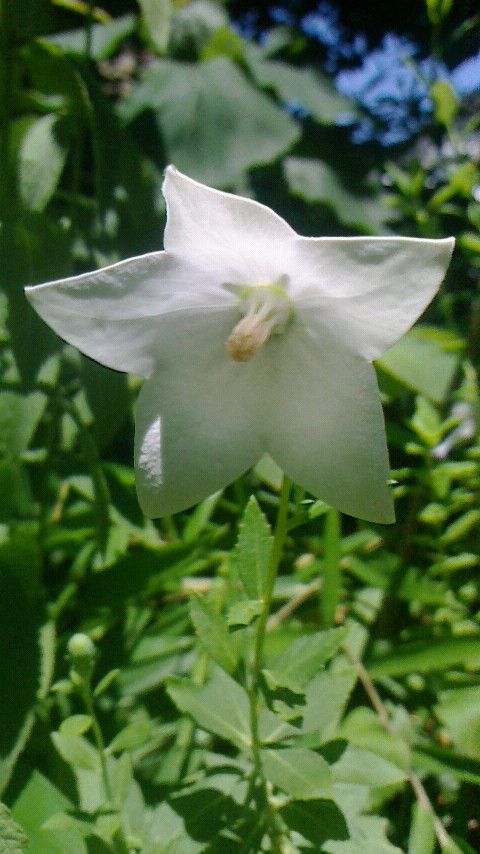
[266, 311]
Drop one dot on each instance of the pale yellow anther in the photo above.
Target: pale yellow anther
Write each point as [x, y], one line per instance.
[250, 333]
[267, 310]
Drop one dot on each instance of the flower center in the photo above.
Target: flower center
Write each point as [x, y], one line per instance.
[266, 310]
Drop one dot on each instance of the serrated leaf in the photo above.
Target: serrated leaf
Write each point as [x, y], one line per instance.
[42, 156]
[251, 555]
[12, 837]
[299, 772]
[244, 613]
[221, 706]
[76, 751]
[213, 634]
[215, 125]
[303, 658]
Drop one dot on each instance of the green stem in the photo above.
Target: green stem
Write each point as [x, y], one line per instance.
[254, 689]
[100, 486]
[99, 741]
[120, 845]
[330, 591]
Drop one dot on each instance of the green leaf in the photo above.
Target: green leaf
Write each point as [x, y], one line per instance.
[299, 772]
[244, 613]
[199, 518]
[12, 837]
[426, 656]
[325, 699]
[367, 835]
[77, 751]
[105, 38]
[76, 725]
[133, 735]
[303, 87]
[42, 156]
[224, 42]
[19, 417]
[251, 555]
[421, 839]
[438, 760]
[303, 658]
[462, 526]
[213, 634]
[458, 710]
[156, 15]
[363, 729]
[37, 802]
[215, 124]
[316, 820]
[106, 681]
[445, 102]
[366, 769]
[316, 181]
[221, 706]
[421, 363]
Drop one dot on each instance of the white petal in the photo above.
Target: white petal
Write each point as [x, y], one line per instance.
[241, 239]
[118, 315]
[327, 429]
[198, 423]
[368, 291]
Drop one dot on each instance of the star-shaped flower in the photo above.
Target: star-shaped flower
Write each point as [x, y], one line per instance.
[252, 339]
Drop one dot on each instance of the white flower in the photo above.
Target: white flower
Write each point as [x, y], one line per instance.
[252, 339]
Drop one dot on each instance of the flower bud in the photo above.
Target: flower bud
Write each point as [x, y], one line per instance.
[81, 651]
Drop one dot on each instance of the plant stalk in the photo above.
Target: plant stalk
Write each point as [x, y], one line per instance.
[281, 528]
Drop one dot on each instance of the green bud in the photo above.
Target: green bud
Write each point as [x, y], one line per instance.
[80, 646]
[81, 651]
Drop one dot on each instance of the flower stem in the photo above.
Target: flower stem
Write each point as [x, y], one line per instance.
[119, 842]
[420, 792]
[330, 591]
[254, 689]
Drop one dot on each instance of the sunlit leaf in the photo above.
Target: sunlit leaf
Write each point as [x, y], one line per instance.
[214, 123]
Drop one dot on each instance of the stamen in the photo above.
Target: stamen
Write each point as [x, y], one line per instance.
[267, 310]
[248, 336]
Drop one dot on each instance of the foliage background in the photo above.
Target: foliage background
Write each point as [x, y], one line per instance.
[145, 744]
